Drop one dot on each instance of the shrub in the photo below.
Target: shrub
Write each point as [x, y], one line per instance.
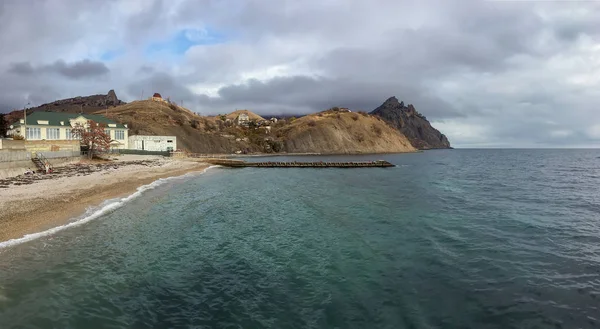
[195, 124]
[312, 123]
[363, 113]
[360, 137]
[210, 126]
[17, 137]
[377, 130]
[338, 116]
[355, 117]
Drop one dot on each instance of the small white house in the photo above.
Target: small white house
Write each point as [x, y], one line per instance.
[243, 119]
[153, 143]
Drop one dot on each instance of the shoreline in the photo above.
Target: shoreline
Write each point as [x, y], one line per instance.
[266, 155]
[49, 203]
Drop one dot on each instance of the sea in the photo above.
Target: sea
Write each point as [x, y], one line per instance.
[459, 238]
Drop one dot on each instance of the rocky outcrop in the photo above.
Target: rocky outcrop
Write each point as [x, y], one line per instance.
[79, 104]
[412, 124]
[94, 101]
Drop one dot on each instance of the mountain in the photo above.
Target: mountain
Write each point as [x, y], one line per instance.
[80, 104]
[412, 124]
[334, 132]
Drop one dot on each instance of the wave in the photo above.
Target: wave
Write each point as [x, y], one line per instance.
[104, 208]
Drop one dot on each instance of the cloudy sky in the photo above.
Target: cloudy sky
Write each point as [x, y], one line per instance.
[486, 73]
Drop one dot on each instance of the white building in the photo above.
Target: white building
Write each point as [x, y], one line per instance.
[153, 143]
[42, 125]
[243, 119]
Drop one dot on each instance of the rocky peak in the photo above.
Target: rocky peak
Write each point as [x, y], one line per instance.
[392, 101]
[112, 97]
[412, 124]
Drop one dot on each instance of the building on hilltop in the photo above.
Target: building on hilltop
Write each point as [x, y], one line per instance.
[157, 98]
[58, 126]
[153, 143]
[242, 119]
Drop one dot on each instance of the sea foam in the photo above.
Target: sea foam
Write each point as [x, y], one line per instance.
[96, 212]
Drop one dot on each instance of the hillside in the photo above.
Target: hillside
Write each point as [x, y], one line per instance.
[194, 133]
[326, 132]
[412, 124]
[342, 133]
[251, 115]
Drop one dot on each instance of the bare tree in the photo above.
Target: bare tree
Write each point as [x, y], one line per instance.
[93, 136]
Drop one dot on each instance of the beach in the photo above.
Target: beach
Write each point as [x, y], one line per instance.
[34, 203]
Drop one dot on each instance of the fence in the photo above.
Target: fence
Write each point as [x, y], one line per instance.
[12, 156]
[60, 154]
[140, 152]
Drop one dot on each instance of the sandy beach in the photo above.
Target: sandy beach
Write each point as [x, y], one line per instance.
[34, 203]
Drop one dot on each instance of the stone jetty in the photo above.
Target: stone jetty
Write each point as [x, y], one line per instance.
[297, 164]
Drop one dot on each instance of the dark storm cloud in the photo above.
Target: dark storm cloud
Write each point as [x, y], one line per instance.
[317, 94]
[23, 68]
[78, 70]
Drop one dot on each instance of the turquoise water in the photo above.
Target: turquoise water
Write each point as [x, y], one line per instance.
[447, 239]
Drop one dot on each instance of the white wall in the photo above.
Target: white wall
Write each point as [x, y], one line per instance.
[153, 143]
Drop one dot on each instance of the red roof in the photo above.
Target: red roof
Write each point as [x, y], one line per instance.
[157, 95]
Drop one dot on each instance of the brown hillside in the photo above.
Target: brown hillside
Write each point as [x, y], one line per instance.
[251, 115]
[194, 133]
[343, 133]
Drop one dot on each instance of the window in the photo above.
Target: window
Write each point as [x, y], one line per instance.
[52, 133]
[68, 134]
[120, 134]
[107, 132]
[34, 133]
[169, 141]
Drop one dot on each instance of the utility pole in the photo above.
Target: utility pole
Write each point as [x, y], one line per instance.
[142, 98]
[25, 121]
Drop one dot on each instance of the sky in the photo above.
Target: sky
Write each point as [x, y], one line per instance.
[486, 73]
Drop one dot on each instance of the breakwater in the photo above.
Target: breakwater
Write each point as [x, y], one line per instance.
[297, 164]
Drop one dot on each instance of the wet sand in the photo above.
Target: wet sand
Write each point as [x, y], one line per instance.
[34, 203]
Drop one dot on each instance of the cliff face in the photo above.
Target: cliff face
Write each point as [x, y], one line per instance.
[412, 124]
[342, 133]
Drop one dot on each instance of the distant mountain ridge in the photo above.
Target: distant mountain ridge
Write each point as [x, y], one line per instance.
[79, 104]
[390, 128]
[85, 104]
[412, 124]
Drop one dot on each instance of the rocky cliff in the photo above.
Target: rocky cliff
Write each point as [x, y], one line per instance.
[85, 104]
[412, 124]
